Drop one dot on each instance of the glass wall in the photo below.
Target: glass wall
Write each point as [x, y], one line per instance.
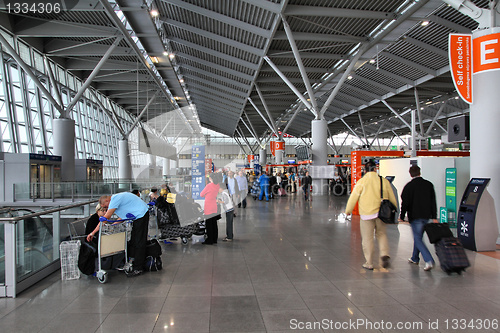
[26, 114]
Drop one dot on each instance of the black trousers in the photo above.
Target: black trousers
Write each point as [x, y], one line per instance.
[138, 240]
[212, 229]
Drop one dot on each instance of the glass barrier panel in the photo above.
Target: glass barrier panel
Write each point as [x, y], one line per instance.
[22, 191]
[35, 246]
[2, 253]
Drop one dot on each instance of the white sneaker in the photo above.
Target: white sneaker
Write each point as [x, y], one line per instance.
[428, 266]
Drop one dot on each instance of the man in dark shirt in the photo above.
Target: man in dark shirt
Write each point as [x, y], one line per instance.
[306, 185]
[418, 199]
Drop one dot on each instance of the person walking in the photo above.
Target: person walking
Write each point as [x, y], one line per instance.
[224, 198]
[264, 186]
[293, 181]
[122, 204]
[243, 186]
[211, 215]
[306, 185]
[367, 194]
[418, 200]
[232, 186]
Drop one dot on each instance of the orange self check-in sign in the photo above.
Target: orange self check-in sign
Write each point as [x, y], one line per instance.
[470, 57]
[486, 53]
[461, 64]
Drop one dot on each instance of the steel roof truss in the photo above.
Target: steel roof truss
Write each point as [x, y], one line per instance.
[26, 28]
[92, 75]
[436, 117]
[220, 17]
[297, 10]
[291, 86]
[218, 38]
[317, 37]
[215, 53]
[397, 114]
[216, 85]
[409, 63]
[341, 81]
[300, 64]
[215, 66]
[217, 77]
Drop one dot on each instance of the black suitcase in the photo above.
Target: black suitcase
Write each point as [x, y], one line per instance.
[452, 256]
[436, 231]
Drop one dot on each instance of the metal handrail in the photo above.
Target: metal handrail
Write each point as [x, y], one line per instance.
[15, 219]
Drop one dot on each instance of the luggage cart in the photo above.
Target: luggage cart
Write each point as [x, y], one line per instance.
[170, 215]
[113, 237]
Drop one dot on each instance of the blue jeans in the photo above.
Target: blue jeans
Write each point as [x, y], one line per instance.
[229, 224]
[417, 226]
[264, 189]
[306, 191]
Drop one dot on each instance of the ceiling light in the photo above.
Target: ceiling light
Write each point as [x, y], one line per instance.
[349, 77]
[154, 13]
[154, 60]
[171, 56]
[181, 80]
[372, 61]
[165, 53]
[424, 23]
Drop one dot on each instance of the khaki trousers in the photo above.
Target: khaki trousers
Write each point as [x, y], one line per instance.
[369, 229]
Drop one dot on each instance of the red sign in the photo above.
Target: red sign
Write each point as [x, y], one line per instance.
[280, 145]
[284, 135]
[250, 158]
[460, 56]
[486, 53]
[208, 166]
[272, 146]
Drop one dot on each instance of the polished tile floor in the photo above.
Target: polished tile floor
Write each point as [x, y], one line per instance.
[292, 266]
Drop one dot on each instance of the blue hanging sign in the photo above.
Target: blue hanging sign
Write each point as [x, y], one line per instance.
[197, 171]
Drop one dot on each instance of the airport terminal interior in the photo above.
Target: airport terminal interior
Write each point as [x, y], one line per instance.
[162, 97]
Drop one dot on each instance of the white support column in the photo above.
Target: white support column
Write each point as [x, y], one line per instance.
[413, 134]
[124, 163]
[166, 167]
[64, 146]
[319, 153]
[173, 167]
[262, 157]
[484, 133]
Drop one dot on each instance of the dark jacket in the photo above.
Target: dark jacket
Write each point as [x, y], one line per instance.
[418, 199]
[92, 223]
[306, 181]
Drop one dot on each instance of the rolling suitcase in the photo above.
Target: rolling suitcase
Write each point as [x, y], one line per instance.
[436, 231]
[452, 256]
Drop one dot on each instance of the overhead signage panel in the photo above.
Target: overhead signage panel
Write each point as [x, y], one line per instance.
[460, 56]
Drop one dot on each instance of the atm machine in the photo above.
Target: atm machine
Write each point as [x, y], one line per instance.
[477, 226]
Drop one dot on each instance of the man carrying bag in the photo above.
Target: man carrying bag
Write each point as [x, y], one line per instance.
[368, 196]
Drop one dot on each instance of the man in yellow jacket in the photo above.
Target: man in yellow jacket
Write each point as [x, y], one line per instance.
[367, 194]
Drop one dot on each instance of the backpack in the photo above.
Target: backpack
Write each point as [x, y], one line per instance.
[153, 264]
[86, 258]
[153, 248]
[153, 261]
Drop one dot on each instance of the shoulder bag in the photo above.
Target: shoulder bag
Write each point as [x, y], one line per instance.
[387, 211]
